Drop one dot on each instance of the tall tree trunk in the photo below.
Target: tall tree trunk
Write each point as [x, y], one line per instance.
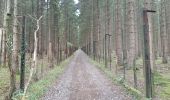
[163, 31]
[124, 37]
[131, 31]
[92, 30]
[3, 57]
[148, 5]
[34, 64]
[118, 32]
[168, 23]
[12, 66]
[15, 52]
[50, 51]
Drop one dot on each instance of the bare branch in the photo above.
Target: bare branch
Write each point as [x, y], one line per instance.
[34, 63]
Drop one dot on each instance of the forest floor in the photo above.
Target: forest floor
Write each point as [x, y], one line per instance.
[86, 79]
[161, 78]
[5, 75]
[83, 81]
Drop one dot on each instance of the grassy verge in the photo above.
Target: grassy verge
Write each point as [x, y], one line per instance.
[119, 80]
[163, 82]
[37, 89]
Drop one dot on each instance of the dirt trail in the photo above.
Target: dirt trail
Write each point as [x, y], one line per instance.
[83, 81]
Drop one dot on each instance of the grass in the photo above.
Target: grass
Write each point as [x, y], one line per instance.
[118, 80]
[163, 81]
[37, 89]
[4, 81]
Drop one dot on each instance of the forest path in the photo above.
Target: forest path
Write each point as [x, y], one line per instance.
[83, 81]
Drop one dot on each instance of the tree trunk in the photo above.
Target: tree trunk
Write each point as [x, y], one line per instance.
[168, 24]
[148, 6]
[12, 66]
[163, 32]
[118, 32]
[3, 57]
[34, 64]
[131, 31]
[15, 52]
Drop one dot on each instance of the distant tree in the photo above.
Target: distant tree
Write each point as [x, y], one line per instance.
[118, 32]
[131, 31]
[163, 30]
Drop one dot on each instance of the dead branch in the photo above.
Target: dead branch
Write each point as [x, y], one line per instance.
[34, 63]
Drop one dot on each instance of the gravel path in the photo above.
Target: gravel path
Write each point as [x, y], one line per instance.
[83, 81]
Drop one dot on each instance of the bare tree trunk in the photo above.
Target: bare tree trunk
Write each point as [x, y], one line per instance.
[3, 57]
[50, 37]
[34, 63]
[118, 32]
[3, 53]
[163, 32]
[168, 24]
[131, 31]
[92, 30]
[1, 37]
[12, 68]
[148, 5]
[15, 63]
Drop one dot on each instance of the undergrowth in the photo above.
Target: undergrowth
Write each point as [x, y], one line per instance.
[5, 81]
[163, 81]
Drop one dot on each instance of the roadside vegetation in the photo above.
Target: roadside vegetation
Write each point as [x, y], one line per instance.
[161, 79]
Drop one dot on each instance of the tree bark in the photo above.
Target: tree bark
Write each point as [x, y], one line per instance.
[118, 32]
[131, 31]
[163, 31]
